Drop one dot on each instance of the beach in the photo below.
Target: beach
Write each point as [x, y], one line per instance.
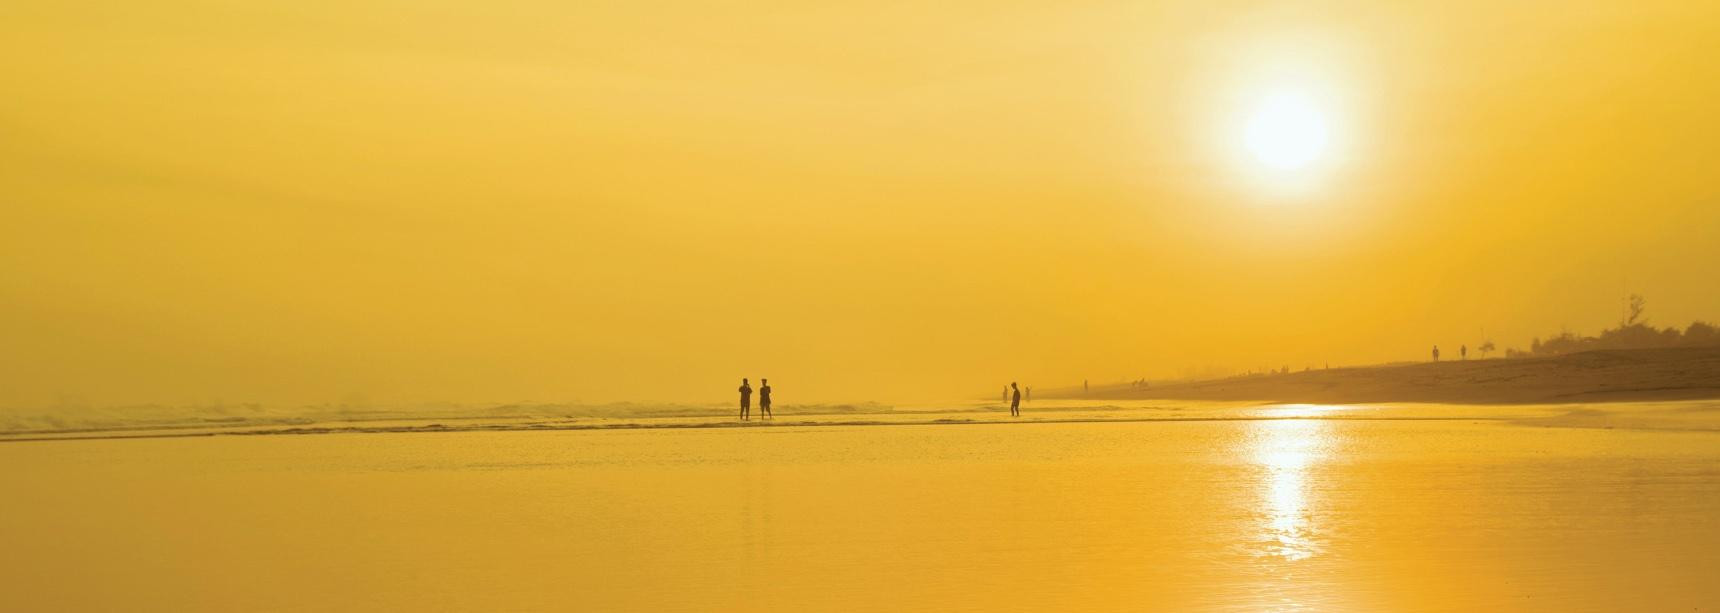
[808, 307]
[1215, 507]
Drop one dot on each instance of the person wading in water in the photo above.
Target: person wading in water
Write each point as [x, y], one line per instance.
[746, 399]
[764, 399]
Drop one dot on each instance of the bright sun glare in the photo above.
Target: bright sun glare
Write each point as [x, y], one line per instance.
[1287, 131]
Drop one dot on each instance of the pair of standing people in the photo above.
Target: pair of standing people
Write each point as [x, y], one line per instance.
[763, 399]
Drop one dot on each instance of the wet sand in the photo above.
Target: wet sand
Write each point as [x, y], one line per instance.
[1231, 509]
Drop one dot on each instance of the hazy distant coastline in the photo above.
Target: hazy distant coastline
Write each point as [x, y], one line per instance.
[1593, 376]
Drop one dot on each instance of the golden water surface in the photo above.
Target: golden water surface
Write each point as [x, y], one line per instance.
[1291, 509]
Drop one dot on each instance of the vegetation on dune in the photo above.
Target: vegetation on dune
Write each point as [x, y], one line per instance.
[1633, 332]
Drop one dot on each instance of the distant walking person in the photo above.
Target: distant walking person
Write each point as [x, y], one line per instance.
[1436, 353]
[764, 398]
[746, 399]
[1083, 386]
[1463, 351]
[1029, 396]
[1015, 403]
[1006, 394]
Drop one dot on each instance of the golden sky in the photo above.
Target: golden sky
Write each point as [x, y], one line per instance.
[409, 201]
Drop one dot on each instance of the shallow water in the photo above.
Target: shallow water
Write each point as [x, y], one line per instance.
[1239, 510]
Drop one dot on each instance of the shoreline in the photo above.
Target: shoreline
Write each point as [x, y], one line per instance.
[1682, 416]
[719, 425]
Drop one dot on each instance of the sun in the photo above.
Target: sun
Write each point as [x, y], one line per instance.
[1287, 131]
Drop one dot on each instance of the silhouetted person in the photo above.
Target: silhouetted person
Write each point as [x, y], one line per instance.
[1463, 351]
[764, 398]
[1436, 353]
[1006, 394]
[1083, 386]
[1015, 403]
[746, 399]
[1029, 396]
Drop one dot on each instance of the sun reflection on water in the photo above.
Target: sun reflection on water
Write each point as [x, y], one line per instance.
[1285, 449]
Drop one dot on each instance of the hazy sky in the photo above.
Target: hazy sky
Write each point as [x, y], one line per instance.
[420, 200]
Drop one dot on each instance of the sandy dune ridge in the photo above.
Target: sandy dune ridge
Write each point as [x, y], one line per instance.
[1595, 376]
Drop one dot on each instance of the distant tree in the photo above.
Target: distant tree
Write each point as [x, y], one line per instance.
[1485, 348]
[1634, 307]
[1701, 333]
